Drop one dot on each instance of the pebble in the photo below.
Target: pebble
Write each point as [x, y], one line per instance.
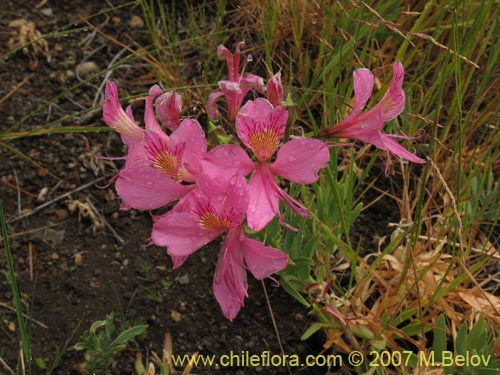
[47, 12]
[54, 256]
[87, 68]
[78, 259]
[175, 315]
[184, 279]
[136, 22]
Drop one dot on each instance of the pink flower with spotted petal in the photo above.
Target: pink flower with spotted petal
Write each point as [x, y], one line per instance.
[158, 166]
[367, 126]
[236, 88]
[261, 128]
[217, 206]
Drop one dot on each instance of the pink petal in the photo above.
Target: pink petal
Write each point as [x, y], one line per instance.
[366, 127]
[232, 60]
[116, 118]
[263, 202]
[177, 261]
[181, 233]
[191, 137]
[393, 102]
[300, 160]
[227, 191]
[252, 82]
[275, 90]
[146, 188]
[230, 280]
[168, 109]
[395, 148]
[363, 86]
[234, 96]
[262, 261]
[211, 108]
[149, 114]
[258, 115]
[136, 157]
[225, 158]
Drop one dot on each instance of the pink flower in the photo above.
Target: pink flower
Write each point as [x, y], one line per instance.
[236, 88]
[215, 207]
[261, 128]
[367, 126]
[157, 165]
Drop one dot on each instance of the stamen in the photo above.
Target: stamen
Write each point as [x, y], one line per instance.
[264, 143]
[167, 163]
[210, 221]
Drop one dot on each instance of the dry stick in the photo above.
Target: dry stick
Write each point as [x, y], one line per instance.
[19, 209]
[460, 233]
[275, 326]
[108, 225]
[6, 366]
[30, 259]
[42, 206]
[16, 87]
[18, 188]
[8, 307]
[30, 231]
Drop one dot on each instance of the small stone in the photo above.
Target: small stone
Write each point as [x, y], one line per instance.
[47, 12]
[12, 326]
[136, 22]
[125, 263]
[54, 256]
[78, 259]
[175, 315]
[61, 214]
[184, 279]
[87, 68]
[183, 307]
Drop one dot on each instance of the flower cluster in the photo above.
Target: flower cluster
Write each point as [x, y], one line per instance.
[231, 187]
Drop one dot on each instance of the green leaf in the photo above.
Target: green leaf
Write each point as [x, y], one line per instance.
[293, 292]
[439, 341]
[40, 363]
[461, 340]
[129, 334]
[315, 327]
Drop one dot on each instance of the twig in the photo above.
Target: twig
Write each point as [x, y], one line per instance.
[275, 326]
[388, 24]
[16, 87]
[30, 231]
[436, 43]
[460, 242]
[6, 366]
[30, 259]
[109, 71]
[8, 307]
[65, 195]
[17, 188]
[108, 225]
[19, 209]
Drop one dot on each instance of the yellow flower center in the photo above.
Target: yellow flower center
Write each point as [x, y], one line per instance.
[264, 143]
[167, 163]
[212, 222]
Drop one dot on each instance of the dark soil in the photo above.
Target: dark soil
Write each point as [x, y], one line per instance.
[71, 272]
